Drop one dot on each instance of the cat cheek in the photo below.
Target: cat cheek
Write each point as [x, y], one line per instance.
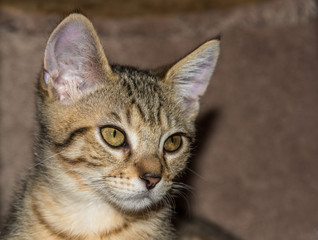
[117, 156]
[176, 165]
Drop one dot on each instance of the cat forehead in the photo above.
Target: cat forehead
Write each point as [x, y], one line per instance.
[139, 88]
[137, 81]
[136, 101]
[127, 90]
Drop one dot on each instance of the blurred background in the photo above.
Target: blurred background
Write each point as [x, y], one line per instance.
[125, 8]
[254, 169]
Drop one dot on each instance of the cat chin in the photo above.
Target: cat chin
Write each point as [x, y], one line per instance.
[134, 203]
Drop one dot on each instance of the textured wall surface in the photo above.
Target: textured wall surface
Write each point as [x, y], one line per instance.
[255, 167]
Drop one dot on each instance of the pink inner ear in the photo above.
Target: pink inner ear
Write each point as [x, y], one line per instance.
[71, 60]
[200, 82]
[70, 38]
[46, 77]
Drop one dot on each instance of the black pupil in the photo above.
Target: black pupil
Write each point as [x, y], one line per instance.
[172, 139]
[114, 133]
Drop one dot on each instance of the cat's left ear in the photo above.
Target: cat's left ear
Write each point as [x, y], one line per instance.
[191, 75]
[74, 60]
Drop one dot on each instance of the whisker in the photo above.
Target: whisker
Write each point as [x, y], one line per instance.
[196, 174]
[44, 160]
[182, 190]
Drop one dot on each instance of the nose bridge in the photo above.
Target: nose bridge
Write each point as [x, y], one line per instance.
[146, 157]
[149, 164]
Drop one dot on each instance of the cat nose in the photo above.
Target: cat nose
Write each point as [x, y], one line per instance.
[150, 180]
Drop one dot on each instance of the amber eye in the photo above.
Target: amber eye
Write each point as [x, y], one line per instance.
[113, 136]
[173, 143]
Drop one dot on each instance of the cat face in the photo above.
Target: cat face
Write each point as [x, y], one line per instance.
[117, 133]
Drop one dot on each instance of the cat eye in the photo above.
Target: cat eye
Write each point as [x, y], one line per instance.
[113, 136]
[173, 143]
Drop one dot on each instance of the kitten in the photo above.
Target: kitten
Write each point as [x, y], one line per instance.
[111, 141]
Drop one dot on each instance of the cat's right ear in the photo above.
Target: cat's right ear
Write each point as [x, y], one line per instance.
[74, 60]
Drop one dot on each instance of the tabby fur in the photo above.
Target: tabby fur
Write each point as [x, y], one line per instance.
[80, 186]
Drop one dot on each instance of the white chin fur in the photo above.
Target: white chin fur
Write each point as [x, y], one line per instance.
[137, 198]
[135, 205]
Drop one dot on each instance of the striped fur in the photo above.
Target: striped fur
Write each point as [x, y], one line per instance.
[82, 188]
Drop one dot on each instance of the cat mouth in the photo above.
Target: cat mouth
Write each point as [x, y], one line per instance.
[140, 196]
[133, 201]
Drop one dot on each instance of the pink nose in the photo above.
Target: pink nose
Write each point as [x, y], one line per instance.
[150, 180]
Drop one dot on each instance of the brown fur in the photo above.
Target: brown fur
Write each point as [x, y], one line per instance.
[82, 188]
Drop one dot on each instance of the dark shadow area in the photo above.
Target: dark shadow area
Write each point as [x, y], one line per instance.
[198, 228]
[186, 222]
[206, 126]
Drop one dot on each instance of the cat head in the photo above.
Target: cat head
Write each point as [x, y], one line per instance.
[119, 133]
